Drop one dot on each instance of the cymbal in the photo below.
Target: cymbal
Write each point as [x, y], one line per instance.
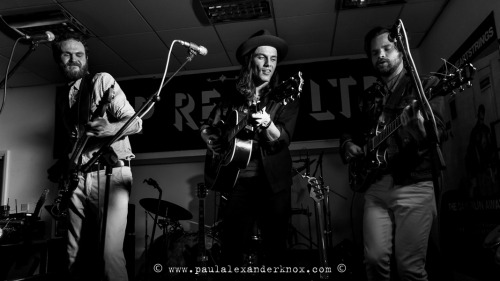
[167, 209]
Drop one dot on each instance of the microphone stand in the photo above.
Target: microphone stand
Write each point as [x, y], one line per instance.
[106, 153]
[32, 48]
[437, 160]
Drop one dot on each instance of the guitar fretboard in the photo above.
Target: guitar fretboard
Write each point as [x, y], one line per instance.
[377, 140]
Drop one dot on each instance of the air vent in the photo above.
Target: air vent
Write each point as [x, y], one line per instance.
[224, 11]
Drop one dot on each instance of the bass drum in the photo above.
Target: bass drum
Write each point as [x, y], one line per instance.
[185, 251]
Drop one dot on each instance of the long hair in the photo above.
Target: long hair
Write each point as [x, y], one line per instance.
[245, 85]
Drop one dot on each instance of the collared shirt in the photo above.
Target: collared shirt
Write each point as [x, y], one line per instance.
[118, 109]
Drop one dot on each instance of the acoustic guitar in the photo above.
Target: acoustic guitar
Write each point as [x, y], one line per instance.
[222, 169]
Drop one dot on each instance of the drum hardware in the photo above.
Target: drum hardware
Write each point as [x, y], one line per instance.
[254, 256]
[170, 214]
[166, 209]
[293, 236]
[320, 192]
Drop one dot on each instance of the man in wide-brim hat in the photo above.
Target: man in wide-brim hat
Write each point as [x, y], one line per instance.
[261, 38]
[261, 195]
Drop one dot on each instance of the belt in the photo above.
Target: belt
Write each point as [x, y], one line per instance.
[119, 163]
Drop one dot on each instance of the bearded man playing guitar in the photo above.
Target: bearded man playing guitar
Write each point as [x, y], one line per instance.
[400, 204]
[259, 190]
[76, 106]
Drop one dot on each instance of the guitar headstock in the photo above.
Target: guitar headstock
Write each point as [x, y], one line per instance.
[316, 189]
[202, 190]
[290, 89]
[456, 80]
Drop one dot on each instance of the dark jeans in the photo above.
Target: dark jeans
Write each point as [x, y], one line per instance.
[250, 207]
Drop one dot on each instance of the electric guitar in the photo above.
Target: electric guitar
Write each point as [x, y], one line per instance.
[365, 169]
[222, 169]
[69, 182]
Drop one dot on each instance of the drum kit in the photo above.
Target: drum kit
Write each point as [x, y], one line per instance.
[176, 247]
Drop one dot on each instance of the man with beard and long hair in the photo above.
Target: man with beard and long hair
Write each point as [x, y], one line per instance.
[262, 194]
[400, 205]
[74, 106]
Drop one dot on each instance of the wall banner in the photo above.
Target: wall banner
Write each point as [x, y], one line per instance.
[330, 91]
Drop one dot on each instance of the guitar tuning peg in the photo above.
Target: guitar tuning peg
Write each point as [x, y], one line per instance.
[461, 89]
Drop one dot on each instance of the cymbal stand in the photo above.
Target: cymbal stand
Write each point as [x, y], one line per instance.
[326, 205]
[293, 240]
[155, 185]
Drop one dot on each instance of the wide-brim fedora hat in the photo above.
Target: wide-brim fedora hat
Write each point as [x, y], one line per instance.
[261, 38]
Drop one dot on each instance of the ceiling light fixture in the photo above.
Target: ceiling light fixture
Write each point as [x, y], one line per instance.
[224, 11]
[31, 24]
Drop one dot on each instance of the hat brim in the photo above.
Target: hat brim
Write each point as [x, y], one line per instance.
[262, 40]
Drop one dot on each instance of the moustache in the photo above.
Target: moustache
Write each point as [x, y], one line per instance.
[382, 61]
[74, 64]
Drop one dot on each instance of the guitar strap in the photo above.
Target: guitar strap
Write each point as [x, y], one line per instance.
[81, 112]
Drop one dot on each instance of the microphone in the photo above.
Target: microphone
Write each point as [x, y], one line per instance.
[199, 49]
[394, 31]
[39, 38]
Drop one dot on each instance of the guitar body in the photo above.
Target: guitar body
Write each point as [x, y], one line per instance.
[222, 170]
[364, 170]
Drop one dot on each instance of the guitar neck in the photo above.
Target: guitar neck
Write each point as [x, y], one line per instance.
[377, 140]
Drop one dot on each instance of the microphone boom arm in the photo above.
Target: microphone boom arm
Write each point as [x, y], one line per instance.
[139, 114]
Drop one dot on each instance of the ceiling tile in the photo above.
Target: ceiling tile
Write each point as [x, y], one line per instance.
[110, 17]
[292, 8]
[308, 51]
[142, 46]
[412, 18]
[307, 29]
[168, 15]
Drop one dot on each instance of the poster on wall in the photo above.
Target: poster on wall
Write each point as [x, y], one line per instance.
[185, 103]
[470, 210]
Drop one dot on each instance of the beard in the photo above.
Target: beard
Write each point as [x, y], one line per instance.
[74, 75]
[386, 70]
